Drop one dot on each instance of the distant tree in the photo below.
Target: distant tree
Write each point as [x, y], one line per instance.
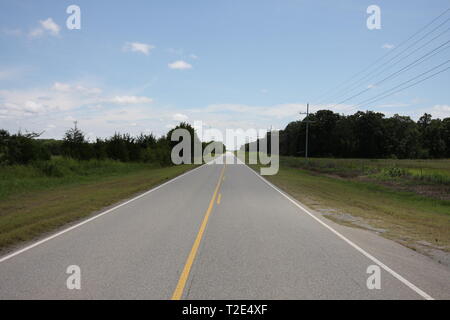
[402, 137]
[75, 145]
[321, 132]
[53, 146]
[367, 135]
[100, 151]
[117, 148]
[446, 135]
[21, 148]
[146, 140]
[4, 135]
[432, 132]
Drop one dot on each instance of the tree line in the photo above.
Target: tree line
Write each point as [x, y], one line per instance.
[366, 135]
[20, 148]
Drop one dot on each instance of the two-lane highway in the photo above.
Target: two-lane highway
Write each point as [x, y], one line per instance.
[217, 232]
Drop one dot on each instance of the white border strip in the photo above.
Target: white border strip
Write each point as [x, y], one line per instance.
[9, 256]
[420, 292]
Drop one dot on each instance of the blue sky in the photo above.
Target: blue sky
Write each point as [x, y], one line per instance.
[145, 65]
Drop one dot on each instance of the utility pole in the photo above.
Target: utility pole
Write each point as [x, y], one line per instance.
[307, 127]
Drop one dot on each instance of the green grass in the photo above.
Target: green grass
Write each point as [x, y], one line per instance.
[35, 199]
[57, 172]
[429, 178]
[434, 171]
[350, 186]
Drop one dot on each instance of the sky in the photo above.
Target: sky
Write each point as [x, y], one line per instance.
[144, 66]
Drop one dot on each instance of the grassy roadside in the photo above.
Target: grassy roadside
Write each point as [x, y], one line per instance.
[32, 203]
[421, 222]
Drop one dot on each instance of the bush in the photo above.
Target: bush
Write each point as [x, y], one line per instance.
[21, 148]
[395, 172]
[25, 149]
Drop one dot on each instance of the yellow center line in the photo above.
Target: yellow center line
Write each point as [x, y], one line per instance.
[178, 293]
[218, 199]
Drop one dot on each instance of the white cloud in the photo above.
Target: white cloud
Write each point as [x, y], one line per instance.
[47, 26]
[130, 100]
[276, 111]
[23, 103]
[62, 103]
[180, 117]
[87, 90]
[388, 46]
[193, 56]
[35, 33]
[180, 65]
[393, 105]
[50, 26]
[440, 111]
[143, 48]
[60, 97]
[66, 87]
[34, 107]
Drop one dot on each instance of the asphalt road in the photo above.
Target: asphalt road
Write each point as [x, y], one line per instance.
[217, 232]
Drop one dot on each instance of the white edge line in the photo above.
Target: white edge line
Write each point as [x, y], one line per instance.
[416, 289]
[15, 253]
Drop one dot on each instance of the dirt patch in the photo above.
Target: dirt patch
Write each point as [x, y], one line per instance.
[437, 192]
[433, 191]
[430, 191]
[347, 218]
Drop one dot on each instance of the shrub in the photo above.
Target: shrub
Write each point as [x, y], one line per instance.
[395, 172]
[21, 148]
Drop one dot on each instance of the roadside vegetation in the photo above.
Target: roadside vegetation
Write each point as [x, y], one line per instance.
[366, 135]
[403, 200]
[387, 174]
[45, 184]
[430, 178]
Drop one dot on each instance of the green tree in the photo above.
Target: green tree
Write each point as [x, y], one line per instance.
[76, 146]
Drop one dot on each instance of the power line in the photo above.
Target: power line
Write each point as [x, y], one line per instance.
[371, 76]
[407, 67]
[324, 95]
[418, 76]
[385, 94]
[390, 52]
[412, 52]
